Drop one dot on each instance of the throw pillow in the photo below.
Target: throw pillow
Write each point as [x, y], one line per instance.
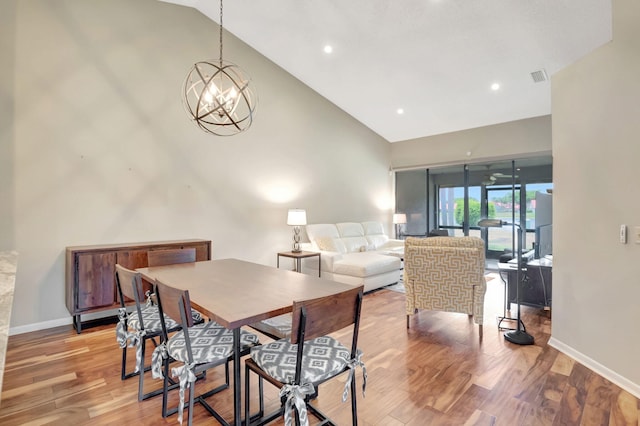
[325, 243]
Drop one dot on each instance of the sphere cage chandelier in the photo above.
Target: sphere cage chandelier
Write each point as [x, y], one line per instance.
[218, 95]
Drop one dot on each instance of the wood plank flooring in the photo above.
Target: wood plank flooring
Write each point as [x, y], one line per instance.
[436, 373]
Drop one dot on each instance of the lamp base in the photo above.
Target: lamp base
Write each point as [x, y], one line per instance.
[519, 337]
[296, 251]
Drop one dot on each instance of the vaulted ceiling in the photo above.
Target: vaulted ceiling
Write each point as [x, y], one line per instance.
[436, 60]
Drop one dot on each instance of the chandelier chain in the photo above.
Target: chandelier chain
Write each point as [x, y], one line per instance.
[220, 33]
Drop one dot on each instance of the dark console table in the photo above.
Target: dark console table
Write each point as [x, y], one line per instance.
[535, 289]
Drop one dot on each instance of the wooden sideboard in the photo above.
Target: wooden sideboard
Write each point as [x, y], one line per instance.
[90, 282]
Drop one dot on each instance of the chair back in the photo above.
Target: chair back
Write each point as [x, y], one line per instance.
[445, 274]
[176, 304]
[130, 286]
[321, 316]
[425, 254]
[171, 256]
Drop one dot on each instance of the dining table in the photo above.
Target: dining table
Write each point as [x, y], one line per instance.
[237, 293]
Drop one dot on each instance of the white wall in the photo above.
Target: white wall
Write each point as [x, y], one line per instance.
[102, 151]
[596, 148]
[515, 139]
[7, 46]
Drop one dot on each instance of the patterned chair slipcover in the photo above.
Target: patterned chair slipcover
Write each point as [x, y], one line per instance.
[135, 328]
[445, 274]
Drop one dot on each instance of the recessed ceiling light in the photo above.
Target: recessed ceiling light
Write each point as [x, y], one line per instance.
[328, 49]
[400, 111]
[495, 86]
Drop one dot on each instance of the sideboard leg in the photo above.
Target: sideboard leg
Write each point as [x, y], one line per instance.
[77, 323]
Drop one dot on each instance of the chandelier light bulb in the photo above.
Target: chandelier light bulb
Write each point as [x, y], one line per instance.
[223, 108]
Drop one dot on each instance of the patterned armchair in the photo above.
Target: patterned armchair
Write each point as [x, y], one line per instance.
[445, 274]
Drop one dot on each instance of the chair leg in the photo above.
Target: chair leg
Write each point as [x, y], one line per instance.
[261, 394]
[354, 408]
[247, 394]
[165, 388]
[407, 321]
[141, 372]
[480, 330]
[123, 374]
[190, 407]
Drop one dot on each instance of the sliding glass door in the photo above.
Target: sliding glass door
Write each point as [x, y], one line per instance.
[452, 199]
[459, 209]
[501, 205]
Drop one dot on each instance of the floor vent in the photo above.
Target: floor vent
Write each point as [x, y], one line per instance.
[539, 76]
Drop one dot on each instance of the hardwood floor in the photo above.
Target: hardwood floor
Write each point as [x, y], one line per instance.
[436, 373]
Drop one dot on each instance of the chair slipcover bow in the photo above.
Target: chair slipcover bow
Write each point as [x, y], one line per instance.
[151, 322]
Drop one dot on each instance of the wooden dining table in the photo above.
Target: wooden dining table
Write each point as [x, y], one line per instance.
[237, 293]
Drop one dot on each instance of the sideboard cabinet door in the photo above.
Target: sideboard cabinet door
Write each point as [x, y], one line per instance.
[95, 280]
[131, 259]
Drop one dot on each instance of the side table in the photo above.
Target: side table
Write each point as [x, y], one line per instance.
[297, 257]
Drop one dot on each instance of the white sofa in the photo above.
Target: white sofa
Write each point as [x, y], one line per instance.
[354, 253]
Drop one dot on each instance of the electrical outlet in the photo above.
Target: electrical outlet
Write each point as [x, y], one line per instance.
[623, 234]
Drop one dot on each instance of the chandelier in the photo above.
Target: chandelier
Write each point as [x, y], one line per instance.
[218, 95]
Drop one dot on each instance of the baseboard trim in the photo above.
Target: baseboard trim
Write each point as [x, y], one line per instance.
[39, 326]
[612, 376]
[89, 319]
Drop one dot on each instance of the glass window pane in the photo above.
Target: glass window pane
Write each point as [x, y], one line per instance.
[500, 206]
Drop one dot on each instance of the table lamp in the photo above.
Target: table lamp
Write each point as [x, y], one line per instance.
[296, 218]
[399, 219]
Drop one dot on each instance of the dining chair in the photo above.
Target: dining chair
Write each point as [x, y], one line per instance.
[134, 329]
[310, 357]
[171, 256]
[199, 347]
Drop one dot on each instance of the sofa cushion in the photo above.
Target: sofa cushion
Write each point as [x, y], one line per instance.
[364, 264]
[331, 244]
[321, 230]
[373, 228]
[374, 233]
[350, 229]
[377, 241]
[355, 244]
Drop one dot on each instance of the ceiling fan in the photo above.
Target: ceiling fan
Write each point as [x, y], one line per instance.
[491, 179]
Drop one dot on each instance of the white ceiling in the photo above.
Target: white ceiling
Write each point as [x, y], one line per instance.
[436, 59]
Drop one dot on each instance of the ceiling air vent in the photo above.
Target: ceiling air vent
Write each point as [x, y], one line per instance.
[539, 76]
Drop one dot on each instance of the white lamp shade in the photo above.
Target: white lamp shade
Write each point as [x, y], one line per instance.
[399, 218]
[297, 217]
